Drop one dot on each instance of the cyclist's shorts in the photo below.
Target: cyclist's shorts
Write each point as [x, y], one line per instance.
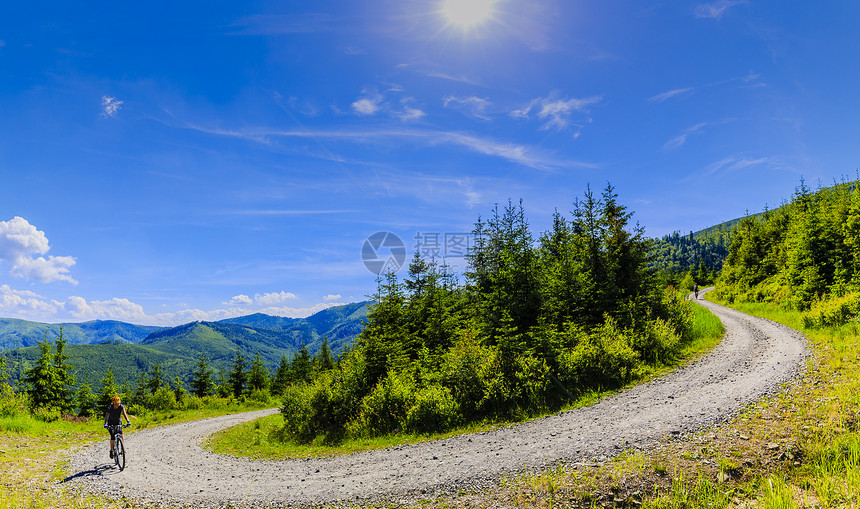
[114, 430]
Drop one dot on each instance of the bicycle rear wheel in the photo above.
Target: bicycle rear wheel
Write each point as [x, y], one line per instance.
[120, 453]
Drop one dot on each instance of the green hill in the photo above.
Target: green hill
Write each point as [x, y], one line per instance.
[177, 349]
[16, 333]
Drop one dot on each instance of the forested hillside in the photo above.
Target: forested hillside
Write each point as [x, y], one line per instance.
[804, 255]
[699, 254]
[176, 350]
[536, 323]
[16, 333]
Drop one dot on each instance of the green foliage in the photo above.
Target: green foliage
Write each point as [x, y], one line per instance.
[799, 255]
[536, 325]
[108, 390]
[238, 377]
[202, 384]
[833, 312]
[433, 410]
[49, 381]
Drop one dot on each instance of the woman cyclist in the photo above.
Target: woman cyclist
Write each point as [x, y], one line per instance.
[113, 417]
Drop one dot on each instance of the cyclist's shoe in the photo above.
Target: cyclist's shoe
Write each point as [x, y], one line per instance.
[111, 455]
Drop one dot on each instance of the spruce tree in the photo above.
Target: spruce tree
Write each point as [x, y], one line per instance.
[41, 379]
[201, 381]
[281, 378]
[324, 360]
[238, 377]
[258, 376]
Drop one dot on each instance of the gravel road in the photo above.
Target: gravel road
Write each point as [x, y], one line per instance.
[169, 466]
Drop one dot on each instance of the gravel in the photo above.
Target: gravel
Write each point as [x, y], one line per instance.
[168, 466]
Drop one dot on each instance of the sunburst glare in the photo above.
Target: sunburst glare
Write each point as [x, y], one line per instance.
[467, 13]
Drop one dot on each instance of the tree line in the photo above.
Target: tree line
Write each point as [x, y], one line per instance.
[49, 389]
[537, 323]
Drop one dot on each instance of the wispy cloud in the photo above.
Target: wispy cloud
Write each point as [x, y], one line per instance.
[670, 94]
[556, 112]
[372, 102]
[20, 245]
[472, 106]
[516, 153]
[681, 139]
[716, 10]
[749, 80]
[734, 163]
[460, 79]
[110, 106]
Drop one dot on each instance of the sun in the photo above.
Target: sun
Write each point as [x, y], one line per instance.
[467, 13]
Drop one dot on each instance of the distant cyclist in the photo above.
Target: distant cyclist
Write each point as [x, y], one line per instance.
[696, 291]
[113, 418]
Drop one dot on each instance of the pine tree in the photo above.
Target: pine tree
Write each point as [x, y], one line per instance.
[201, 381]
[108, 390]
[154, 379]
[85, 399]
[63, 395]
[258, 377]
[41, 379]
[324, 360]
[238, 377]
[281, 379]
[302, 365]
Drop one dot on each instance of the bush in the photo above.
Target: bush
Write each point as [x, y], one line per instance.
[384, 409]
[162, 399]
[434, 410]
[463, 369]
[11, 404]
[604, 358]
[297, 413]
[46, 414]
[833, 312]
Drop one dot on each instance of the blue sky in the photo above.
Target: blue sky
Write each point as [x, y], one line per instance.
[168, 162]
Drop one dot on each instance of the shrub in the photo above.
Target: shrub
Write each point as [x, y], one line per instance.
[463, 368]
[434, 411]
[384, 409]
[11, 404]
[603, 359]
[162, 399]
[833, 312]
[297, 413]
[46, 414]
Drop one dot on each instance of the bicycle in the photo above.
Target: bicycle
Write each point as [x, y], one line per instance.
[118, 444]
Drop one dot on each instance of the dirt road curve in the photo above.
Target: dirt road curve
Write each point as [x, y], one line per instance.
[169, 465]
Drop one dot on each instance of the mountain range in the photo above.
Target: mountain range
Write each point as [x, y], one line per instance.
[128, 349]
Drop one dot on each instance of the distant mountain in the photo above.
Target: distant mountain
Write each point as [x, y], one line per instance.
[16, 333]
[102, 345]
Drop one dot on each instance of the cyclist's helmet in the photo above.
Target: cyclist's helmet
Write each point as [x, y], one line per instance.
[115, 400]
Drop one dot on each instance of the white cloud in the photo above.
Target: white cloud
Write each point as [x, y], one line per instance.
[330, 297]
[367, 105]
[240, 300]
[268, 299]
[470, 106]
[110, 106]
[715, 10]
[114, 309]
[556, 112]
[25, 303]
[20, 242]
[409, 113]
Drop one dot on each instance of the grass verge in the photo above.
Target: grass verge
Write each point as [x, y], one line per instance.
[798, 449]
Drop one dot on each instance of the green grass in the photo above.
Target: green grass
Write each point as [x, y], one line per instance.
[262, 438]
[32, 454]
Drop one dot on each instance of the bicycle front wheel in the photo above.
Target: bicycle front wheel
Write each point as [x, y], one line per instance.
[120, 453]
